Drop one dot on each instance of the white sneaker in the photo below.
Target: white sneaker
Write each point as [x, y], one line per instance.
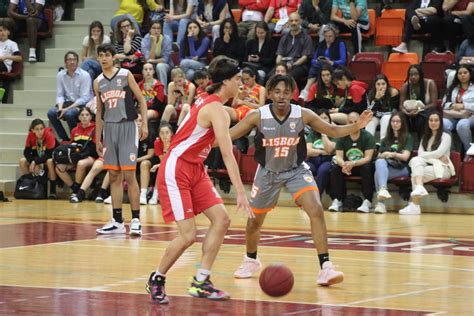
[383, 194]
[248, 268]
[112, 227]
[143, 199]
[108, 200]
[335, 206]
[410, 209]
[135, 227]
[402, 48]
[303, 94]
[153, 200]
[328, 276]
[419, 190]
[365, 207]
[380, 208]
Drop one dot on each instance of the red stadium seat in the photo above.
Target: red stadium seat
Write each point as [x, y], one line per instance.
[237, 14]
[376, 57]
[436, 70]
[412, 58]
[365, 70]
[388, 31]
[394, 13]
[447, 58]
[396, 72]
[248, 166]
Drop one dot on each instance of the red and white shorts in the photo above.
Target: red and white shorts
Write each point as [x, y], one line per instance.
[185, 189]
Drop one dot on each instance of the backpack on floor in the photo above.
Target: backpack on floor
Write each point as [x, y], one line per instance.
[351, 203]
[31, 187]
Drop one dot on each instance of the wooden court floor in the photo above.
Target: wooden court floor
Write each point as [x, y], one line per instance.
[52, 263]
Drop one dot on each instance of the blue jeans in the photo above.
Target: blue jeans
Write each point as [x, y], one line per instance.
[383, 173]
[463, 128]
[162, 71]
[320, 168]
[92, 66]
[176, 26]
[70, 116]
[189, 66]
[118, 18]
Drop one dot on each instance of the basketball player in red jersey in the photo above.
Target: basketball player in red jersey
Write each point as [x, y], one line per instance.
[185, 189]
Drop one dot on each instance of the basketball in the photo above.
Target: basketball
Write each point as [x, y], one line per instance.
[276, 280]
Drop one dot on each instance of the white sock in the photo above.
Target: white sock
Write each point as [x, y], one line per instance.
[202, 274]
[32, 52]
[155, 194]
[142, 192]
[160, 274]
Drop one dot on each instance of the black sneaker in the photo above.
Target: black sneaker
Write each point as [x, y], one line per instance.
[52, 196]
[78, 197]
[101, 196]
[206, 289]
[156, 288]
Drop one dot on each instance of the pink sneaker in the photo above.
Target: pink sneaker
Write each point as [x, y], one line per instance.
[328, 276]
[248, 268]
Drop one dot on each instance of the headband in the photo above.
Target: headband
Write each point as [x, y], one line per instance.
[232, 72]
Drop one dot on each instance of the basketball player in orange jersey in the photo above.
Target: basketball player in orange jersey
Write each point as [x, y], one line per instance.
[280, 150]
[185, 189]
[115, 90]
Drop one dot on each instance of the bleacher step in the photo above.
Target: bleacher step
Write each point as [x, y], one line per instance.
[18, 112]
[39, 82]
[7, 186]
[87, 15]
[11, 155]
[35, 99]
[12, 125]
[9, 171]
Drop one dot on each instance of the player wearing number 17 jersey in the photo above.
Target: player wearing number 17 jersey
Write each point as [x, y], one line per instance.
[280, 149]
[115, 90]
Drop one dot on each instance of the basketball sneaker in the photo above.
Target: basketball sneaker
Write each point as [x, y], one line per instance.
[112, 227]
[248, 268]
[336, 206]
[135, 227]
[206, 289]
[328, 276]
[410, 209]
[156, 287]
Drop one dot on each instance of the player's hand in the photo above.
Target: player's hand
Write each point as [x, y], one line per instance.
[144, 133]
[99, 148]
[364, 119]
[243, 203]
[154, 168]
[32, 167]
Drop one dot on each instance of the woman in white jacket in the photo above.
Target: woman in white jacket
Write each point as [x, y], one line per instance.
[431, 163]
[458, 105]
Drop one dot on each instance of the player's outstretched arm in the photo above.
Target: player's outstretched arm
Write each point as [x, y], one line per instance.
[245, 126]
[99, 123]
[312, 119]
[141, 102]
[220, 124]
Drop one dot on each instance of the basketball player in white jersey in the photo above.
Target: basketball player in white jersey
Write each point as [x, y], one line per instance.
[280, 150]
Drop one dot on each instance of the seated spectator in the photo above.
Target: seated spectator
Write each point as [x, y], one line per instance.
[458, 105]
[153, 91]
[278, 13]
[181, 12]
[252, 13]
[37, 154]
[260, 51]
[392, 161]
[422, 16]
[180, 97]
[95, 170]
[432, 162]
[127, 45]
[451, 22]
[211, 14]
[161, 146]
[323, 94]
[73, 91]
[353, 157]
[145, 159]
[9, 53]
[156, 48]
[354, 20]
[423, 93]
[331, 51]
[84, 135]
[320, 151]
[90, 43]
[229, 42]
[29, 17]
[315, 14]
[251, 96]
[134, 11]
[383, 100]
[201, 81]
[354, 92]
[282, 69]
[464, 56]
[295, 49]
[193, 50]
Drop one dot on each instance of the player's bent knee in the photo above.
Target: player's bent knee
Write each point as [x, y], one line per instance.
[188, 239]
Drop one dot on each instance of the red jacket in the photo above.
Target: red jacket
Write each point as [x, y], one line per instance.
[255, 5]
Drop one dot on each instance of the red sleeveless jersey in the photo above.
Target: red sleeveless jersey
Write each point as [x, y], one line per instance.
[192, 143]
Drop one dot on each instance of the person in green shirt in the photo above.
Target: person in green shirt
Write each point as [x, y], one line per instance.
[320, 150]
[353, 157]
[392, 162]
